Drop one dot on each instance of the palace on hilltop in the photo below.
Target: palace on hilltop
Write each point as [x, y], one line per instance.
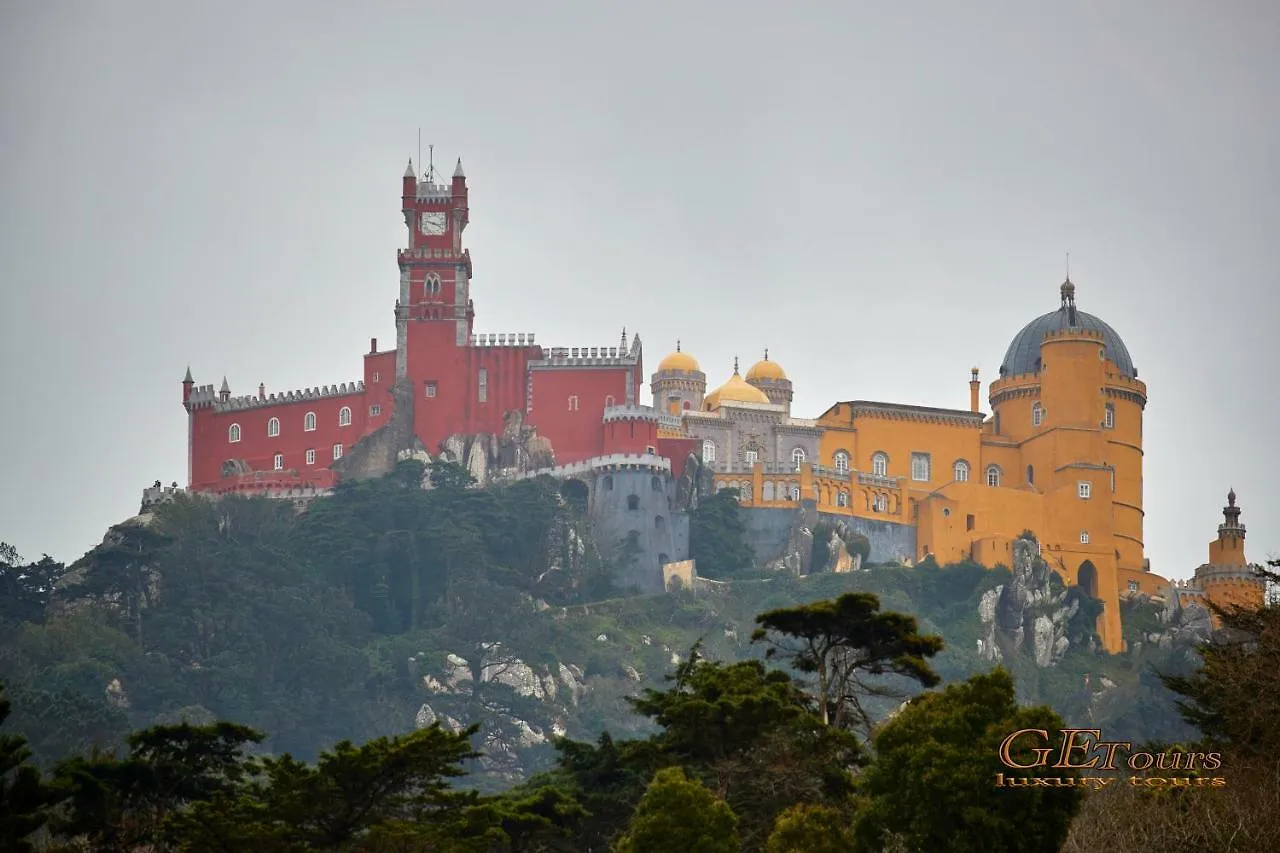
[1059, 454]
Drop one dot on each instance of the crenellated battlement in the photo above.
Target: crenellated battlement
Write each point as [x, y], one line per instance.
[430, 191]
[612, 462]
[585, 357]
[507, 339]
[632, 413]
[250, 401]
[422, 253]
[157, 494]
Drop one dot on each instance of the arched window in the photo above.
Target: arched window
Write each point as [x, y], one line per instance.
[309, 422]
[278, 462]
[273, 427]
[311, 456]
[767, 493]
[842, 462]
[344, 416]
[708, 452]
[842, 499]
[633, 501]
[795, 492]
[961, 471]
[608, 483]
[608, 400]
[1031, 475]
[1037, 414]
[337, 451]
[880, 503]
[233, 433]
[797, 457]
[993, 475]
[1109, 421]
[880, 464]
[432, 284]
[659, 522]
[656, 483]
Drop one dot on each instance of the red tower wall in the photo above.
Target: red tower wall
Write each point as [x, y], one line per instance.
[575, 434]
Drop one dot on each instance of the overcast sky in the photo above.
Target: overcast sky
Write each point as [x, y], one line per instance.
[881, 193]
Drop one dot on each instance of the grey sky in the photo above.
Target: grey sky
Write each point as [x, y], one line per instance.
[881, 193]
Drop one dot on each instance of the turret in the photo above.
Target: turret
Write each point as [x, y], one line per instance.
[224, 393]
[187, 384]
[975, 390]
[408, 192]
[458, 190]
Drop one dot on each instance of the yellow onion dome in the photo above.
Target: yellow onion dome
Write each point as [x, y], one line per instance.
[766, 369]
[679, 361]
[736, 390]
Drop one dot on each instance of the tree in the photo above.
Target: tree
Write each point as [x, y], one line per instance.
[812, 829]
[844, 643]
[933, 776]
[679, 815]
[25, 588]
[718, 536]
[25, 800]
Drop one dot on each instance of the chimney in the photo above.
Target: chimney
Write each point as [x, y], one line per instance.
[373, 345]
[974, 387]
[262, 391]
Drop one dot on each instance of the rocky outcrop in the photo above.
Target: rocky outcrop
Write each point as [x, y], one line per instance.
[376, 454]
[1031, 613]
[517, 450]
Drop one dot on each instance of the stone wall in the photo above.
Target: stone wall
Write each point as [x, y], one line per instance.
[646, 503]
[770, 531]
[376, 454]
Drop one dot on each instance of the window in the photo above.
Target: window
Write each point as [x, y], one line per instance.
[993, 475]
[233, 433]
[1085, 490]
[920, 467]
[656, 483]
[961, 471]
[375, 410]
[708, 452]
[337, 451]
[482, 385]
[609, 401]
[842, 499]
[880, 503]
[608, 483]
[659, 522]
[344, 418]
[750, 457]
[970, 522]
[273, 427]
[1084, 537]
[633, 501]
[1031, 475]
[1134, 586]
[880, 464]
[651, 450]
[797, 457]
[430, 389]
[376, 377]
[431, 284]
[1109, 419]
[278, 462]
[309, 422]
[842, 462]
[573, 403]
[1037, 414]
[311, 456]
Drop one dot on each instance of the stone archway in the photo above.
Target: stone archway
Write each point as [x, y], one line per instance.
[575, 492]
[1087, 579]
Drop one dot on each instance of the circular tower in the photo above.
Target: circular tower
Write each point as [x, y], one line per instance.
[678, 384]
[770, 378]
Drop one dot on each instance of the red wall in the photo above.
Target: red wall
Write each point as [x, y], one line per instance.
[574, 434]
[631, 435]
[210, 429]
[678, 450]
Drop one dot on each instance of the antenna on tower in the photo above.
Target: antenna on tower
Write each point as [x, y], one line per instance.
[431, 164]
[1068, 266]
[419, 146]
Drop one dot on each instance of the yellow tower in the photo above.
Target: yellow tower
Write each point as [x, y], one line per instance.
[678, 384]
[770, 378]
[1227, 579]
[1067, 414]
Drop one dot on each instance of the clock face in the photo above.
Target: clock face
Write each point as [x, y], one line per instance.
[433, 223]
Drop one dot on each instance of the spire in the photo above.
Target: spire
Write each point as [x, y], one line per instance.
[187, 379]
[766, 353]
[457, 170]
[1231, 497]
[408, 171]
[677, 345]
[735, 365]
[226, 388]
[1068, 291]
[624, 339]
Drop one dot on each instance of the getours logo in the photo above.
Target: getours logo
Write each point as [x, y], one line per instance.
[1079, 752]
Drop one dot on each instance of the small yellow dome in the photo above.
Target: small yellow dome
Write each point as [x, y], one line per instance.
[736, 390]
[766, 369]
[679, 361]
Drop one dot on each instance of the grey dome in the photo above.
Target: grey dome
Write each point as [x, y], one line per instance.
[1023, 355]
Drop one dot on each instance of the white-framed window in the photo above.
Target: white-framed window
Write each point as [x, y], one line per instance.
[880, 503]
[311, 456]
[651, 450]
[309, 422]
[573, 403]
[1084, 537]
[841, 460]
[920, 467]
[337, 451]
[375, 410]
[795, 492]
[273, 427]
[609, 401]
[344, 417]
[278, 462]
[376, 377]
[233, 433]
[1085, 490]
[842, 498]
[880, 464]
[750, 457]
[960, 472]
[993, 475]
[1037, 414]
[797, 457]
[482, 385]
[430, 389]
[708, 452]
[1109, 419]
[1134, 586]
